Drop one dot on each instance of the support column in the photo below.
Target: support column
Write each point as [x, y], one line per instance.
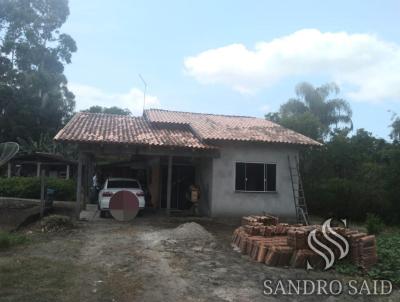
[9, 170]
[79, 187]
[67, 172]
[38, 169]
[86, 180]
[154, 183]
[42, 193]
[169, 184]
[90, 174]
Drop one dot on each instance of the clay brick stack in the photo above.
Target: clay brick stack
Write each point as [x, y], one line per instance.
[363, 250]
[265, 240]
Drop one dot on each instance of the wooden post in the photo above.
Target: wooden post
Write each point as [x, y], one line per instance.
[87, 179]
[169, 184]
[38, 169]
[155, 187]
[9, 170]
[84, 181]
[79, 187]
[67, 173]
[90, 174]
[42, 193]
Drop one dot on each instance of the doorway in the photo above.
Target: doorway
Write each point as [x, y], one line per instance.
[182, 177]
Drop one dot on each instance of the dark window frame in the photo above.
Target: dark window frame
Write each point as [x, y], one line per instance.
[265, 168]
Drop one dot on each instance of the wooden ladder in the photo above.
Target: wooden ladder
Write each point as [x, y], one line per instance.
[298, 191]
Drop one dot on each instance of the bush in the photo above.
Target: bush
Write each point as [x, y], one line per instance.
[29, 187]
[374, 224]
[55, 223]
[345, 198]
[64, 189]
[388, 266]
[7, 240]
[334, 198]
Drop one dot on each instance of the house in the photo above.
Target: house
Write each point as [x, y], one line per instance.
[31, 165]
[239, 163]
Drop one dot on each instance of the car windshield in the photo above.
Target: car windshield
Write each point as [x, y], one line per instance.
[115, 184]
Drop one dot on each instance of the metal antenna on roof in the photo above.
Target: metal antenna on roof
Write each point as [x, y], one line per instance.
[144, 92]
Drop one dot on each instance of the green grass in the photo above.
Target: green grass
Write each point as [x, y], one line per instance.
[388, 266]
[36, 279]
[8, 240]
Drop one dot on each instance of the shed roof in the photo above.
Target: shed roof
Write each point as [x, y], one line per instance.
[43, 157]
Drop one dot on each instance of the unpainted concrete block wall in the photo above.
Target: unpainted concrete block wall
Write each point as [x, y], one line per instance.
[225, 201]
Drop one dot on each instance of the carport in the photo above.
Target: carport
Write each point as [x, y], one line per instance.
[170, 156]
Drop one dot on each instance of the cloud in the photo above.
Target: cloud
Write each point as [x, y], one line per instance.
[87, 96]
[365, 63]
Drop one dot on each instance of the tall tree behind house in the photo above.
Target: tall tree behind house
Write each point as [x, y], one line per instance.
[34, 98]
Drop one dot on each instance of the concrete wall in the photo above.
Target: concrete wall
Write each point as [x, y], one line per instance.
[204, 177]
[226, 202]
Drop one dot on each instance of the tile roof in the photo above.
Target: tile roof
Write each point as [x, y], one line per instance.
[228, 127]
[111, 128]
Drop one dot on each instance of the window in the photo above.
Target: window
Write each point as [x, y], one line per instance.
[255, 177]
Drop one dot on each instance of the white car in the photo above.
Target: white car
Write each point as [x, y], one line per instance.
[113, 185]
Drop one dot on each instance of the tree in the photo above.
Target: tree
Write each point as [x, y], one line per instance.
[44, 144]
[395, 125]
[312, 113]
[352, 173]
[108, 110]
[34, 98]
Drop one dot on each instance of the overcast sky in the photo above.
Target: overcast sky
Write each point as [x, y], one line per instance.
[236, 57]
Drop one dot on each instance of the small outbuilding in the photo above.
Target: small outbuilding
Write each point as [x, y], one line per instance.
[240, 165]
[31, 165]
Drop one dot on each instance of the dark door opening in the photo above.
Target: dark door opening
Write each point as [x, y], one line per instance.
[182, 178]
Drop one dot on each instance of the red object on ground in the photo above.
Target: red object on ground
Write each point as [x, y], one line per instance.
[266, 240]
[124, 206]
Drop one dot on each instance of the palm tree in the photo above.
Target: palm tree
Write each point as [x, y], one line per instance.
[395, 125]
[314, 102]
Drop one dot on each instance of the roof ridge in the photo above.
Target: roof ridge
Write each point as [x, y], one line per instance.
[107, 114]
[202, 113]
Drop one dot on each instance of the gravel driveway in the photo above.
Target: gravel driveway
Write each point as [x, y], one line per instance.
[146, 260]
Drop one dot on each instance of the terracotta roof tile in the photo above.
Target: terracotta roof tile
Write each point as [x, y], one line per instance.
[111, 128]
[228, 127]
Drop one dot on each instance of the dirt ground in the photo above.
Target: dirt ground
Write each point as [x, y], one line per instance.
[105, 260]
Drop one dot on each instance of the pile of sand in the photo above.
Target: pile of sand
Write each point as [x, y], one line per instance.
[190, 231]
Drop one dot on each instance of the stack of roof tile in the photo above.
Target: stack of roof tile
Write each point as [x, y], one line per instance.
[363, 250]
[368, 255]
[267, 241]
[260, 220]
